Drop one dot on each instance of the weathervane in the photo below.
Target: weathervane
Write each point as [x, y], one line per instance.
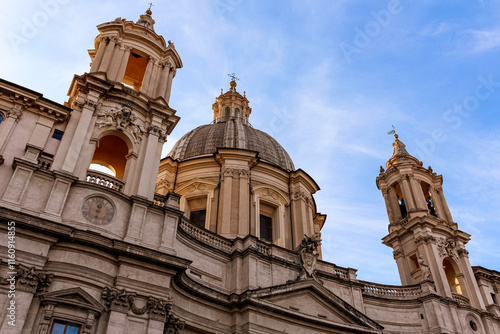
[393, 131]
[233, 77]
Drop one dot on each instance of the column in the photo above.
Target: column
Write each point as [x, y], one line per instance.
[99, 54]
[154, 78]
[78, 140]
[444, 204]
[162, 85]
[38, 138]
[394, 204]
[407, 195]
[8, 124]
[244, 220]
[418, 194]
[128, 176]
[103, 67]
[155, 327]
[116, 323]
[146, 82]
[472, 289]
[123, 63]
[171, 76]
[438, 205]
[117, 61]
[225, 201]
[385, 194]
[147, 170]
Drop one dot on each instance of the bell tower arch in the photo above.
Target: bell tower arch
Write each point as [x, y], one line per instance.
[427, 244]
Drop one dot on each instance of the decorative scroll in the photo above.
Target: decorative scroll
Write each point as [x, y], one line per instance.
[124, 301]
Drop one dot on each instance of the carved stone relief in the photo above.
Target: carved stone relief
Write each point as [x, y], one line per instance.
[29, 279]
[446, 247]
[123, 119]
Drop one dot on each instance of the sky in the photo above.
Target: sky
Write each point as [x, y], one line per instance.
[328, 79]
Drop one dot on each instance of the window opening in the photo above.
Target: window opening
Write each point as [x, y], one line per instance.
[198, 218]
[1, 118]
[227, 112]
[266, 228]
[60, 327]
[58, 134]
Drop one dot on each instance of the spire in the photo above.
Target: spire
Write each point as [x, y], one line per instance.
[400, 154]
[146, 20]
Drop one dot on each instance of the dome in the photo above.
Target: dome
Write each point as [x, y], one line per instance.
[234, 133]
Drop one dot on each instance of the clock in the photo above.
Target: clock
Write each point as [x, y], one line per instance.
[98, 210]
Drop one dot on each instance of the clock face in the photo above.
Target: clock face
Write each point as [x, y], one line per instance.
[98, 210]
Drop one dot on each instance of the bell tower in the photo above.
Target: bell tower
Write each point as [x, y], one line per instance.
[121, 115]
[427, 244]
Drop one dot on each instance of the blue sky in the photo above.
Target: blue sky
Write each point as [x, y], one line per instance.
[327, 79]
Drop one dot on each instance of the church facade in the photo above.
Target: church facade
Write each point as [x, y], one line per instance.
[221, 236]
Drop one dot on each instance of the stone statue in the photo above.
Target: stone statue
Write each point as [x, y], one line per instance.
[426, 272]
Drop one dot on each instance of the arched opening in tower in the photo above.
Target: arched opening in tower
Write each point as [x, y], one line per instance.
[136, 69]
[451, 276]
[110, 155]
[401, 201]
[426, 190]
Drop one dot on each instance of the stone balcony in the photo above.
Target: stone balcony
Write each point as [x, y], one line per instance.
[104, 180]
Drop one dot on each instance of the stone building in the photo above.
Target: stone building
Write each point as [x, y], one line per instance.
[221, 236]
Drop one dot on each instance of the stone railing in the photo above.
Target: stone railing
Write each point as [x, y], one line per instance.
[460, 299]
[45, 162]
[104, 180]
[205, 236]
[392, 292]
[263, 248]
[342, 273]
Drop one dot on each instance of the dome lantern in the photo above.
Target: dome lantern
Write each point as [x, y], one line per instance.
[231, 105]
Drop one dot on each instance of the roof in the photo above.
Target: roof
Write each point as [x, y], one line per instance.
[234, 133]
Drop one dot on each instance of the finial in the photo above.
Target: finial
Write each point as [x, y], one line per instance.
[382, 169]
[149, 12]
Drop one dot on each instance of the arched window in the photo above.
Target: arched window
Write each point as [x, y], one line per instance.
[237, 113]
[111, 154]
[1, 118]
[227, 112]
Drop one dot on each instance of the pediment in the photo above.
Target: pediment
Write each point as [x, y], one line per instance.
[311, 300]
[74, 296]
